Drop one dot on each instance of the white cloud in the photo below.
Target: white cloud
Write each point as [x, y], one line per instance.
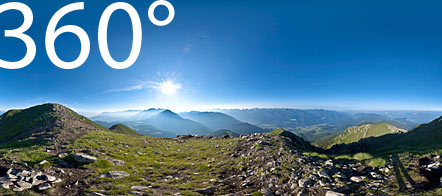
[127, 89]
[165, 86]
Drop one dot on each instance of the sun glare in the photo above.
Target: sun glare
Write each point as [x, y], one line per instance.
[168, 87]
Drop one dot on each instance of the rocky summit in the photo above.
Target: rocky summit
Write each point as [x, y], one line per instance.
[95, 161]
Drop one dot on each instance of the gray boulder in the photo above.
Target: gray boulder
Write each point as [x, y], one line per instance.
[139, 188]
[84, 158]
[117, 174]
[357, 179]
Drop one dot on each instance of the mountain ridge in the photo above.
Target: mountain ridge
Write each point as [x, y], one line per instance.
[44, 121]
[424, 137]
[355, 133]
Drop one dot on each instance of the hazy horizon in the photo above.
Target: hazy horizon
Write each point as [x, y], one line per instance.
[91, 113]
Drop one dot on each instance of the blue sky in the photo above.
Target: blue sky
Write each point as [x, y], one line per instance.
[236, 54]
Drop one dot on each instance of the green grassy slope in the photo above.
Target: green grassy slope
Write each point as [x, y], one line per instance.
[14, 122]
[41, 119]
[423, 138]
[356, 133]
[149, 161]
[123, 129]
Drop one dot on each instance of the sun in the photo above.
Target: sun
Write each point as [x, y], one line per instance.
[168, 87]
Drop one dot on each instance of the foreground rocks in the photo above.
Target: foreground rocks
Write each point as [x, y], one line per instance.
[273, 164]
[431, 168]
[291, 172]
[19, 180]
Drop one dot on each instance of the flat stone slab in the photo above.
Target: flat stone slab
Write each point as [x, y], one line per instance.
[117, 174]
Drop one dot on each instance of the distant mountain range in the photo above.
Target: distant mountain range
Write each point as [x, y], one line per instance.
[312, 125]
[165, 123]
[355, 133]
[292, 118]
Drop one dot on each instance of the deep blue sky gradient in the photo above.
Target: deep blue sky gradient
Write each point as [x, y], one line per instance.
[242, 53]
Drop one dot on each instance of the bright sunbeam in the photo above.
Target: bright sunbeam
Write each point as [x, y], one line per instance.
[168, 87]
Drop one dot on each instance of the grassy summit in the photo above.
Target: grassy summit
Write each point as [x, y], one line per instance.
[42, 122]
[123, 129]
[356, 133]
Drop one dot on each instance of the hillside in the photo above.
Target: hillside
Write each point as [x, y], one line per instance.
[42, 122]
[123, 129]
[316, 132]
[423, 138]
[224, 132]
[356, 133]
[100, 162]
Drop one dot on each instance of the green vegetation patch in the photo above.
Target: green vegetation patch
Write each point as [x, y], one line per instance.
[168, 165]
